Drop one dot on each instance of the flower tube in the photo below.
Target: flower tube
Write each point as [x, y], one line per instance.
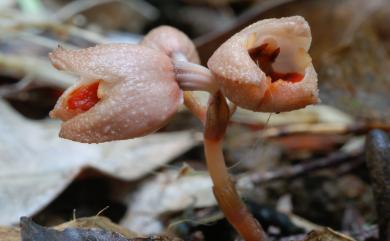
[124, 91]
[266, 67]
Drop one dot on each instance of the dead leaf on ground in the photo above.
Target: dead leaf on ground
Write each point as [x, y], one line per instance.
[36, 165]
[310, 114]
[9, 234]
[98, 222]
[31, 231]
[167, 192]
[327, 234]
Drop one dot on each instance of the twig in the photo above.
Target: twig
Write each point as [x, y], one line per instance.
[378, 162]
[62, 28]
[37, 39]
[368, 233]
[18, 21]
[9, 90]
[208, 43]
[40, 70]
[75, 7]
[322, 128]
[333, 159]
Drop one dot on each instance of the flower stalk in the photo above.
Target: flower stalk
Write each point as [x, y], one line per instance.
[229, 201]
[193, 77]
[215, 118]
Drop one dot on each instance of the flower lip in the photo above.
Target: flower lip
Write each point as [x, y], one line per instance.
[77, 99]
[84, 97]
[264, 56]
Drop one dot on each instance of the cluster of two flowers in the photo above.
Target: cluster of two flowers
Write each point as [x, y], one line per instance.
[127, 91]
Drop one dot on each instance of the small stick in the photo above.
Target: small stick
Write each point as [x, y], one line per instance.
[12, 89]
[58, 28]
[38, 69]
[235, 211]
[333, 159]
[191, 76]
[75, 7]
[322, 128]
[368, 233]
[378, 162]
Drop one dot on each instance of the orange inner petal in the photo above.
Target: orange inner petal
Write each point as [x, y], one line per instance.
[290, 77]
[83, 98]
[264, 56]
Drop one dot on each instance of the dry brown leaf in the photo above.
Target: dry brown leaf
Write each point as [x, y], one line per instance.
[310, 114]
[36, 165]
[327, 234]
[9, 234]
[93, 228]
[167, 192]
[97, 222]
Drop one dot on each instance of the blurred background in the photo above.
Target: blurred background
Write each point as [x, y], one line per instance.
[298, 171]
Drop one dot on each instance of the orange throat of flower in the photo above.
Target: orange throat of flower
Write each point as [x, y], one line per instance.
[83, 98]
[264, 56]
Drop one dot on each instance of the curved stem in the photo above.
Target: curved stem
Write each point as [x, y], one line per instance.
[191, 76]
[181, 67]
[224, 190]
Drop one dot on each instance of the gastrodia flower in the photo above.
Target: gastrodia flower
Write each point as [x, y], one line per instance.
[266, 67]
[124, 91]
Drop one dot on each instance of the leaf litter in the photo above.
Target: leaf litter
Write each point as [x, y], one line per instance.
[40, 165]
[362, 51]
[166, 193]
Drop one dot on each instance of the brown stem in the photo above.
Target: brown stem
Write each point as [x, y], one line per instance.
[224, 190]
[191, 76]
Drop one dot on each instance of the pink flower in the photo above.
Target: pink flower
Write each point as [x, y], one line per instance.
[124, 91]
[266, 67]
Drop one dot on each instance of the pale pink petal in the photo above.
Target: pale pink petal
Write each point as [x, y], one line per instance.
[285, 96]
